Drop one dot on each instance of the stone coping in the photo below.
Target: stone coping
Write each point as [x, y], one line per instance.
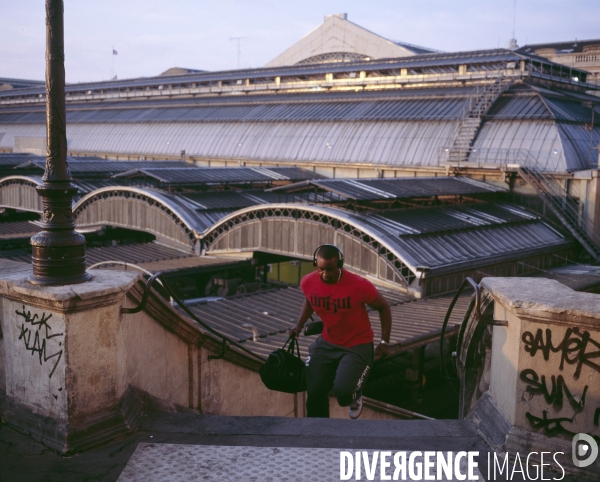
[104, 286]
[545, 299]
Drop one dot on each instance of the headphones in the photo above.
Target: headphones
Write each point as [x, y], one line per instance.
[340, 255]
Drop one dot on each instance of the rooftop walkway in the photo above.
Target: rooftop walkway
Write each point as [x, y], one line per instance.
[185, 446]
[23, 459]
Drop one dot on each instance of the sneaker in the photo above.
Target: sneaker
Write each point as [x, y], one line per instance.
[355, 408]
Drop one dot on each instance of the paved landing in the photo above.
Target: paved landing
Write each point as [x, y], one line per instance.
[181, 462]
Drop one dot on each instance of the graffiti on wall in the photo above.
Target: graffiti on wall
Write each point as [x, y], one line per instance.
[562, 389]
[35, 334]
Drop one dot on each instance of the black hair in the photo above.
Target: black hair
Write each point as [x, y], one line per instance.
[328, 252]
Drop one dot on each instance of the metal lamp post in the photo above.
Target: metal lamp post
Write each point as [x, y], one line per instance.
[58, 251]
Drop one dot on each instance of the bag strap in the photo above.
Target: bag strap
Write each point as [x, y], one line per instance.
[293, 341]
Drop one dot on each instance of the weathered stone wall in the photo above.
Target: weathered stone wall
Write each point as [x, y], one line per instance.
[229, 389]
[69, 356]
[153, 359]
[34, 341]
[559, 380]
[544, 376]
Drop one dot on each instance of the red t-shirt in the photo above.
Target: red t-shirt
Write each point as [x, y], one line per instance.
[341, 306]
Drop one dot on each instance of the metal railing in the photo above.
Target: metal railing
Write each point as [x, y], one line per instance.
[568, 210]
[503, 158]
[478, 105]
[225, 340]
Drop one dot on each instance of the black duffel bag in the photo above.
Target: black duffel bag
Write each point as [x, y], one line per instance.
[284, 371]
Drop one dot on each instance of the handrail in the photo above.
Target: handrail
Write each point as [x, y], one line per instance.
[159, 277]
[492, 322]
[566, 205]
[128, 265]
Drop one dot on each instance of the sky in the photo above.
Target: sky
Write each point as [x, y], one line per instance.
[151, 36]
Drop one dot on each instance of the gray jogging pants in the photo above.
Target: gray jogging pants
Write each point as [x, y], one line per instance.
[332, 366]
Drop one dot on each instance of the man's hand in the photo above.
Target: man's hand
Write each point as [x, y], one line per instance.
[305, 313]
[295, 332]
[381, 351]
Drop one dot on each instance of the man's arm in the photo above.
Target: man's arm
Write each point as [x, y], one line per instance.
[385, 317]
[305, 313]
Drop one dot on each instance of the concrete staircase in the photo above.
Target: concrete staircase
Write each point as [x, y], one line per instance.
[472, 118]
[564, 207]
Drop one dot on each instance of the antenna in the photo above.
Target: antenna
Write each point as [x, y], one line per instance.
[512, 44]
[239, 47]
[514, 18]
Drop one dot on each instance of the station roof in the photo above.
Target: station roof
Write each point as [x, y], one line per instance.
[229, 200]
[393, 188]
[220, 175]
[568, 47]
[19, 229]
[579, 277]
[152, 256]
[441, 103]
[529, 124]
[444, 238]
[19, 83]
[9, 161]
[422, 63]
[136, 253]
[271, 313]
[84, 167]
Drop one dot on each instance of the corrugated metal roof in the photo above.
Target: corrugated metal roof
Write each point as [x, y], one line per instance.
[432, 62]
[259, 100]
[576, 141]
[579, 277]
[449, 218]
[566, 109]
[87, 186]
[560, 47]
[272, 313]
[223, 200]
[133, 253]
[529, 106]
[419, 108]
[455, 236]
[401, 143]
[438, 237]
[184, 208]
[398, 188]
[483, 244]
[19, 229]
[17, 158]
[14, 159]
[407, 127]
[107, 167]
[205, 219]
[130, 253]
[221, 175]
